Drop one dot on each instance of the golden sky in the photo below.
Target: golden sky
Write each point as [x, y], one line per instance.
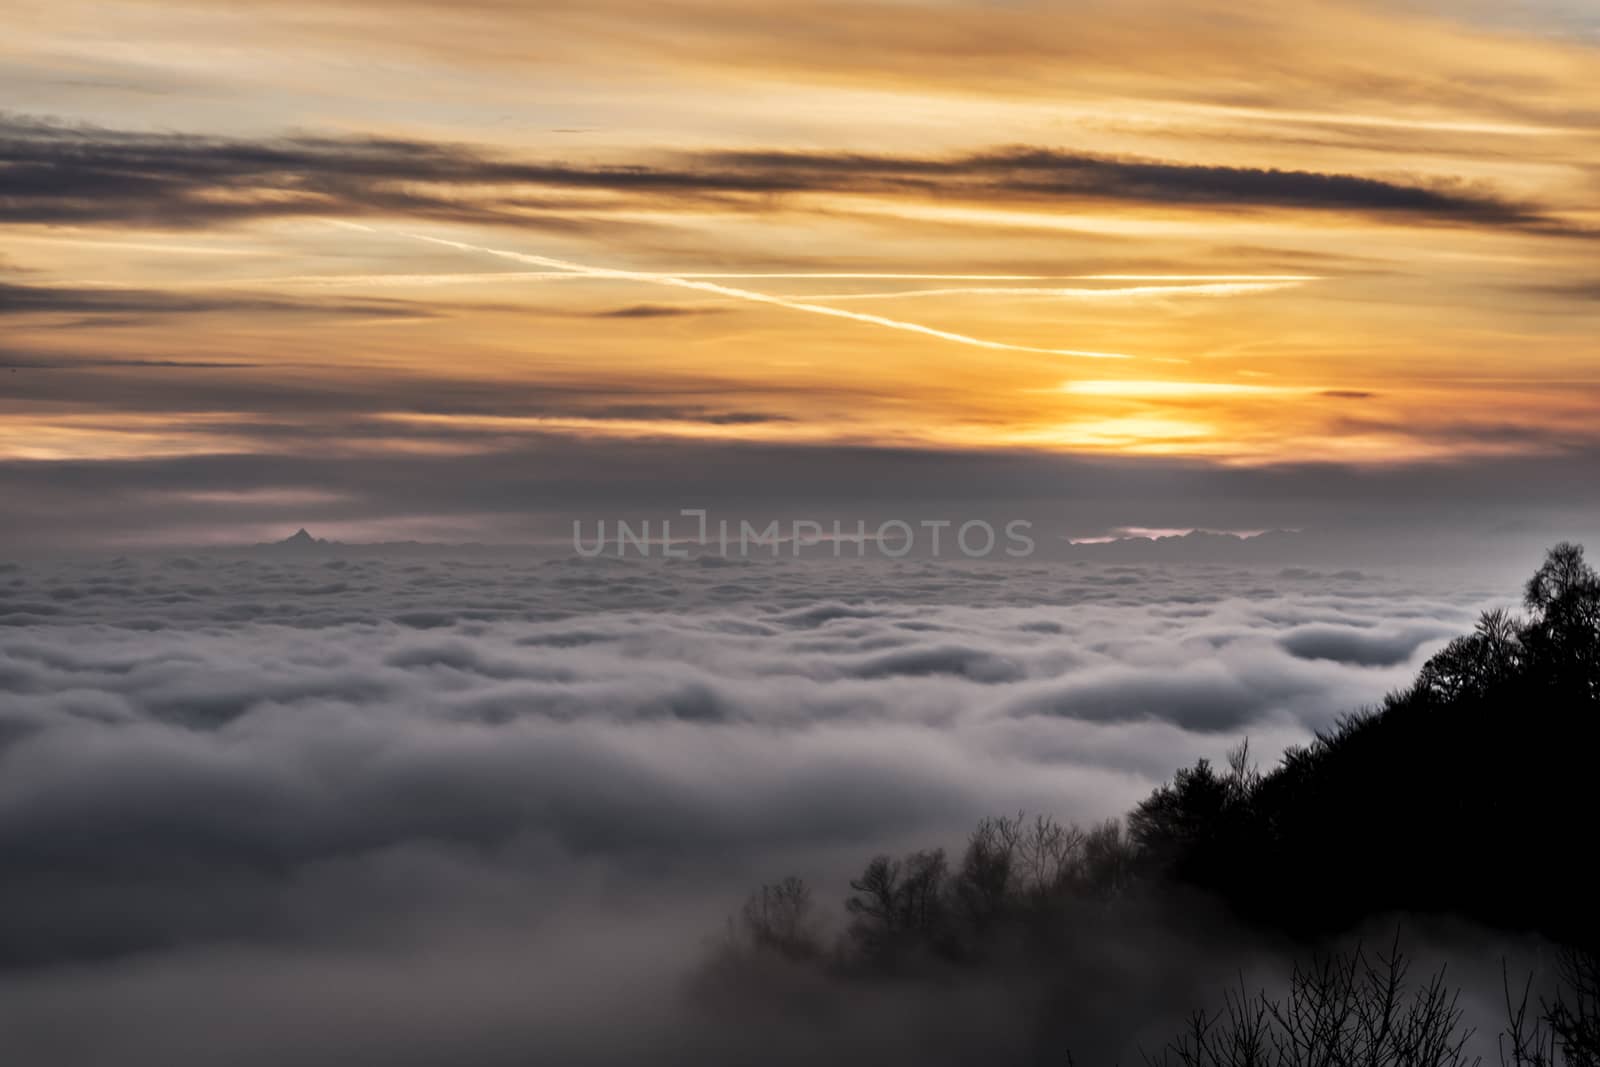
[1244, 233]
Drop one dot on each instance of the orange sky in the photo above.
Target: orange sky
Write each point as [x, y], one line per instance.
[1253, 234]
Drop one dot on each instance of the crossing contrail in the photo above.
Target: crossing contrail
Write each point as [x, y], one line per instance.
[702, 286]
[1126, 292]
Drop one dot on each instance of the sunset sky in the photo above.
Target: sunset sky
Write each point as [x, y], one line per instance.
[422, 270]
[341, 723]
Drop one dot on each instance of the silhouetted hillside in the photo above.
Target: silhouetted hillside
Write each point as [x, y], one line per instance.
[1472, 794]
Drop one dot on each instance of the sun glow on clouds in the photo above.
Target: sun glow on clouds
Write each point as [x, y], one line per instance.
[795, 433]
[1168, 389]
[123, 436]
[1337, 268]
[1133, 433]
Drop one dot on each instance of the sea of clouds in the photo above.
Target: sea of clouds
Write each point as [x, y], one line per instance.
[313, 808]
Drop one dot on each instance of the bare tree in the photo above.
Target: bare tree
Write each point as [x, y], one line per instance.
[1347, 1010]
[781, 918]
[1110, 860]
[1049, 855]
[897, 902]
[1574, 1018]
[1244, 773]
[1563, 572]
[1474, 665]
[1527, 1040]
[987, 879]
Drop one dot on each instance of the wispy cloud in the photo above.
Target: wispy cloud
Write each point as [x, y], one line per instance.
[109, 300]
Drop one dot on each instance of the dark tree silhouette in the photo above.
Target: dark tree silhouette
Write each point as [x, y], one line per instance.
[1471, 793]
[1561, 640]
[1574, 1017]
[1342, 1011]
[781, 918]
[898, 906]
[1491, 749]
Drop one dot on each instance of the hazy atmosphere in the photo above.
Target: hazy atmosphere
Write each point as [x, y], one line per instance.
[420, 811]
[542, 532]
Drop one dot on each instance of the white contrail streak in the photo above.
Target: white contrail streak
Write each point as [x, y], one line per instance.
[1017, 277]
[1122, 293]
[1198, 277]
[858, 276]
[698, 285]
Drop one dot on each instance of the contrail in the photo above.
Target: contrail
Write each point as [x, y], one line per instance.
[480, 277]
[698, 285]
[880, 276]
[1125, 292]
[1198, 277]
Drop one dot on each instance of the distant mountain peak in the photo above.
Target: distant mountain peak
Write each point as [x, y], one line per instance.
[301, 538]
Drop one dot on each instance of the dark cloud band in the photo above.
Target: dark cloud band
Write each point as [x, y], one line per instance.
[85, 175]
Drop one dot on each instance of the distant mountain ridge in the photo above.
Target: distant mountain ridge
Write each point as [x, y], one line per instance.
[303, 541]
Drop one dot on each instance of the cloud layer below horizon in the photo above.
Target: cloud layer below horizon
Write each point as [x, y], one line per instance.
[411, 776]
